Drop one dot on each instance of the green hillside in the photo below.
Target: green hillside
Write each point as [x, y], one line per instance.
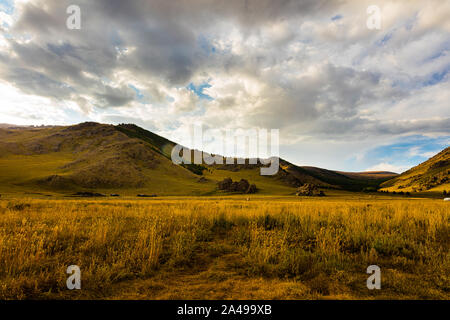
[431, 175]
[87, 156]
[128, 160]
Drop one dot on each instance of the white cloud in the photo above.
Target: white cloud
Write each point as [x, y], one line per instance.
[388, 167]
[17, 108]
[415, 151]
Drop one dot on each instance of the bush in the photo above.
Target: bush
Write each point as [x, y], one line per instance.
[17, 206]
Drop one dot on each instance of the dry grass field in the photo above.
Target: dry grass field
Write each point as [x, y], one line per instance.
[211, 248]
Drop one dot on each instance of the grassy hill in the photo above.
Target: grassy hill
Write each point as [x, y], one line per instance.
[431, 175]
[353, 181]
[87, 156]
[127, 159]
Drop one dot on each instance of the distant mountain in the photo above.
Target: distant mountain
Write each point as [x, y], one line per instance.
[130, 159]
[354, 181]
[431, 175]
[8, 125]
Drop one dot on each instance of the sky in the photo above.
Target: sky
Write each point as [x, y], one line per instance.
[343, 96]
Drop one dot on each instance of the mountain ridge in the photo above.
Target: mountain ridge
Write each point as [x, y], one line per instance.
[102, 156]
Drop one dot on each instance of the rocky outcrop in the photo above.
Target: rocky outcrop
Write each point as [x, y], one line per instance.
[309, 190]
[55, 181]
[243, 186]
[88, 194]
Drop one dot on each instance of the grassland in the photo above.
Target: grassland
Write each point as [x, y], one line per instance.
[22, 173]
[225, 248]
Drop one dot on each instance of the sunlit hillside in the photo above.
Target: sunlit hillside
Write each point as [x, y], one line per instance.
[431, 175]
[129, 160]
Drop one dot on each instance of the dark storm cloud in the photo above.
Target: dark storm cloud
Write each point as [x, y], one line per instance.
[33, 82]
[163, 33]
[360, 127]
[115, 96]
[199, 13]
[330, 92]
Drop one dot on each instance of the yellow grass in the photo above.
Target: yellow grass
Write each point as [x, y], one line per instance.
[279, 248]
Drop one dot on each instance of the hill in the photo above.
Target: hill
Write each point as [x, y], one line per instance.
[127, 159]
[353, 181]
[431, 175]
[86, 156]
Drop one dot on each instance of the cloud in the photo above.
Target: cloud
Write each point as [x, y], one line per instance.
[388, 167]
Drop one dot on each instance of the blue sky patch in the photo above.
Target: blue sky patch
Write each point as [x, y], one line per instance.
[437, 77]
[412, 150]
[139, 95]
[206, 46]
[198, 90]
[336, 17]
[385, 39]
[7, 6]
